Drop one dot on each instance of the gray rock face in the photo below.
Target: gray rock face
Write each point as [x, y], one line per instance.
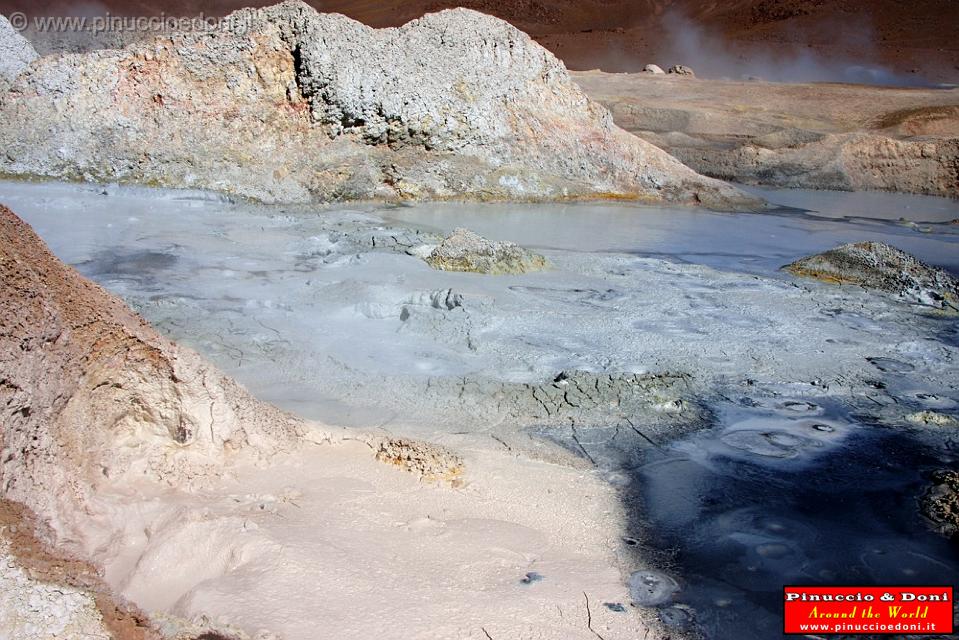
[16, 53]
[876, 265]
[297, 106]
[464, 250]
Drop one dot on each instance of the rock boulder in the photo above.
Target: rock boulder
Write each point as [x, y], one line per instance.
[941, 502]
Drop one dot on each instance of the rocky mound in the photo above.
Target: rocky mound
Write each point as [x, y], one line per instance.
[92, 394]
[290, 105]
[876, 265]
[16, 53]
[464, 250]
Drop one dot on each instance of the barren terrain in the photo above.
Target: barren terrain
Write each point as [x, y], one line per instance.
[915, 39]
[824, 136]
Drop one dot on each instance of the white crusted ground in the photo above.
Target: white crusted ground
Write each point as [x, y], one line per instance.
[33, 610]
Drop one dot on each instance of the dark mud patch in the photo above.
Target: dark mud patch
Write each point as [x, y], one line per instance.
[786, 503]
[145, 268]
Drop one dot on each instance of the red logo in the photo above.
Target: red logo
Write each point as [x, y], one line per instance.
[868, 610]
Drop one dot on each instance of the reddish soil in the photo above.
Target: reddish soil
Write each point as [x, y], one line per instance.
[54, 320]
[915, 38]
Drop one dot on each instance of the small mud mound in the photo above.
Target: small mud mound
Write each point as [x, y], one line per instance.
[875, 265]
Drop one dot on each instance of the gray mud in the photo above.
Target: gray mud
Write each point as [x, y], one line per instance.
[763, 429]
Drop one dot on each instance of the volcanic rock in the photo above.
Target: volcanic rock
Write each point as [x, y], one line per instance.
[654, 69]
[876, 265]
[464, 250]
[290, 105]
[680, 70]
[941, 502]
[932, 419]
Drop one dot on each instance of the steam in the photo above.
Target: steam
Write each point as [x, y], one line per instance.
[714, 56]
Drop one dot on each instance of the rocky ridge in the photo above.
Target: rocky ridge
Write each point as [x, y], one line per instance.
[842, 162]
[290, 105]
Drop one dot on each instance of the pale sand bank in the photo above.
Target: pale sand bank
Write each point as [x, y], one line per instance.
[331, 543]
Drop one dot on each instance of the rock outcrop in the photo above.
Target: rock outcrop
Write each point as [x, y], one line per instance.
[16, 53]
[92, 394]
[941, 502]
[289, 105]
[464, 250]
[876, 265]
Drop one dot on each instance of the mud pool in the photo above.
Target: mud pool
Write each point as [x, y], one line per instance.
[807, 469]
